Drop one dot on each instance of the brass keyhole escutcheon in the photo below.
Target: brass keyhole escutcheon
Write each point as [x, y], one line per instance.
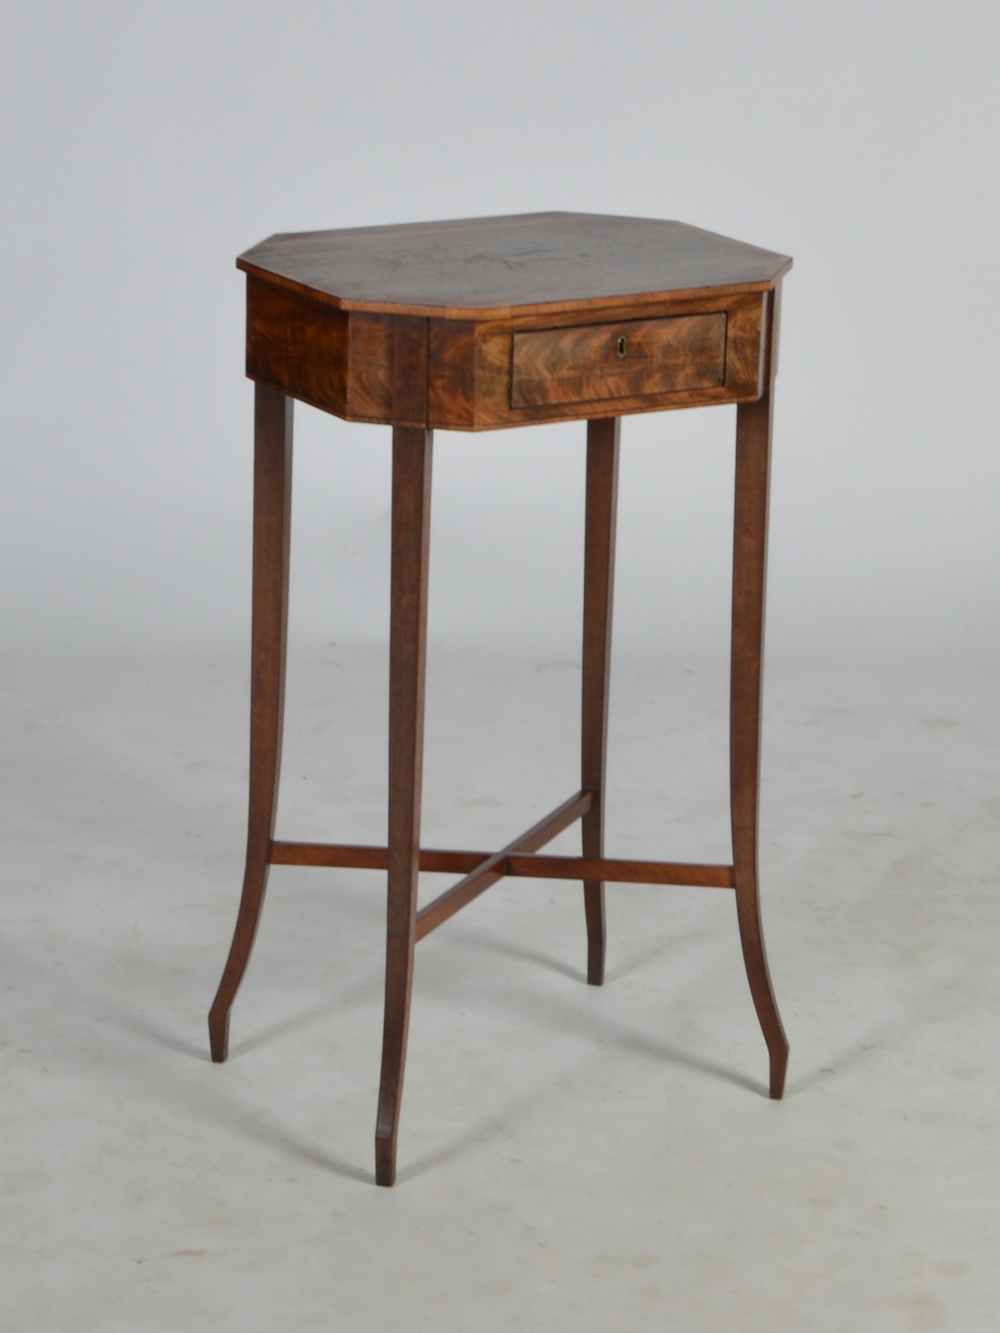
[621, 347]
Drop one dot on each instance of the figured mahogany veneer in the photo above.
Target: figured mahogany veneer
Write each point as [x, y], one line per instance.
[487, 375]
[321, 310]
[474, 325]
[611, 361]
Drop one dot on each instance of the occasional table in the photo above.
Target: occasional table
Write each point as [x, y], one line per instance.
[475, 325]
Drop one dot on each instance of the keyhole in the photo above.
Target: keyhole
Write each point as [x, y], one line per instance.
[621, 347]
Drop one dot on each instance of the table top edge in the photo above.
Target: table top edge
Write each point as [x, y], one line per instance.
[585, 305]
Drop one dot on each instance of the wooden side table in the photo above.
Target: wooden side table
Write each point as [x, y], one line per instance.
[471, 325]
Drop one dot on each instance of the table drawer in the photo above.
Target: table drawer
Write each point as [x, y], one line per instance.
[623, 360]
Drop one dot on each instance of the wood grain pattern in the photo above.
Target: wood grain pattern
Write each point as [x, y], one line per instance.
[746, 347]
[473, 267]
[753, 451]
[298, 345]
[493, 367]
[629, 359]
[484, 324]
[451, 389]
[343, 362]
[338, 362]
[409, 371]
[370, 369]
[272, 502]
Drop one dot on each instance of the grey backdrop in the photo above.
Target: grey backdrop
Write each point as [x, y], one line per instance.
[144, 145]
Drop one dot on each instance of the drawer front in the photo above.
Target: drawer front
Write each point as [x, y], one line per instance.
[629, 359]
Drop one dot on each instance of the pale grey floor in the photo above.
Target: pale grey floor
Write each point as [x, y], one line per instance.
[570, 1158]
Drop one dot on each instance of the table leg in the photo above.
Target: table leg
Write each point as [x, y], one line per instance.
[753, 441]
[271, 530]
[411, 494]
[598, 593]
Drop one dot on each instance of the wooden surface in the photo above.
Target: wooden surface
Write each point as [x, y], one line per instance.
[342, 362]
[628, 359]
[620, 871]
[359, 857]
[753, 459]
[412, 449]
[601, 512]
[272, 500]
[474, 325]
[509, 861]
[519, 314]
[500, 266]
[491, 868]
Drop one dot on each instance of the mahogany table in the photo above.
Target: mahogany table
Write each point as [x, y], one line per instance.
[472, 325]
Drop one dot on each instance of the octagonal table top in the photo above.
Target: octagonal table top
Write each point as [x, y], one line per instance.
[497, 267]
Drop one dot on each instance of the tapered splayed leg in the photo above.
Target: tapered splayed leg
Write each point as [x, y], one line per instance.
[271, 527]
[407, 653]
[753, 439]
[598, 589]
[412, 450]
